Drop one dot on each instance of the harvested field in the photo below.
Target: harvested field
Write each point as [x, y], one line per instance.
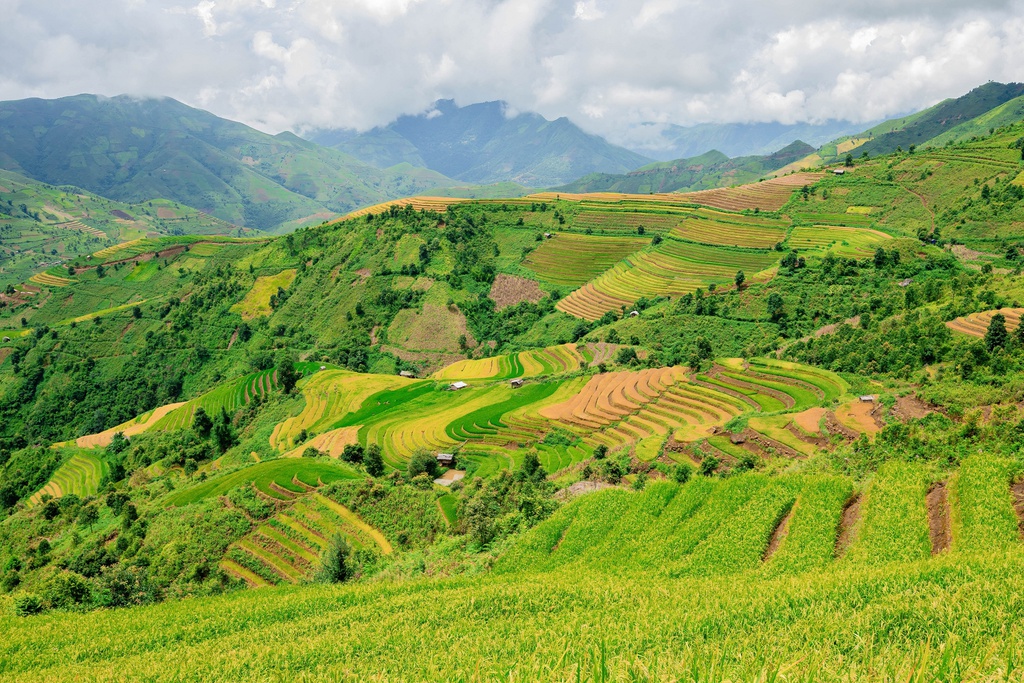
[166, 213]
[976, 324]
[568, 259]
[128, 429]
[332, 443]
[858, 417]
[50, 280]
[436, 328]
[256, 303]
[810, 420]
[509, 290]
[769, 195]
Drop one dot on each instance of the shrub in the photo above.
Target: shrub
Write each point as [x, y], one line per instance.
[708, 465]
[27, 605]
[353, 453]
[66, 590]
[373, 461]
[422, 462]
[682, 472]
[335, 564]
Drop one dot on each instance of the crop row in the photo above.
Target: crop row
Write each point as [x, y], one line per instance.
[976, 324]
[80, 475]
[570, 259]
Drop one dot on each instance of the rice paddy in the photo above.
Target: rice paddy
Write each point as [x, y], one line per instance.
[732, 230]
[280, 480]
[672, 268]
[571, 259]
[841, 241]
[256, 303]
[976, 324]
[80, 475]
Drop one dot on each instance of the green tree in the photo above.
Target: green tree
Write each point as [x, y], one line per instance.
[201, 423]
[422, 462]
[996, 335]
[336, 564]
[881, 258]
[223, 434]
[353, 452]
[739, 279]
[88, 515]
[776, 306]
[286, 375]
[600, 451]
[374, 462]
[849, 160]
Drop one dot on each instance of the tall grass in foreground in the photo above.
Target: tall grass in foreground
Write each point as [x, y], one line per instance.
[984, 518]
[894, 525]
[946, 619]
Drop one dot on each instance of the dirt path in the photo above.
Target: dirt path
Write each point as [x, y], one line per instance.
[1017, 491]
[938, 518]
[779, 535]
[848, 526]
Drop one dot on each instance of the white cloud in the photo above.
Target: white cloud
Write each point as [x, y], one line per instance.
[610, 65]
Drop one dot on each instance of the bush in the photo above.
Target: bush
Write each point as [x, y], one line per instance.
[27, 605]
[373, 461]
[353, 453]
[422, 462]
[335, 564]
[682, 472]
[66, 590]
[708, 465]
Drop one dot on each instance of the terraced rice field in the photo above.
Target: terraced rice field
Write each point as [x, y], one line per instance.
[627, 222]
[842, 241]
[330, 395]
[280, 480]
[132, 246]
[731, 229]
[439, 204]
[287, 547]
[769, 195]
[230, 397]
[82, 227]
[672, 268]
[128, 429]
[569, 259]
[976, 324]
[50, 280]
[256, 303]
[80, 475]
[553, 360]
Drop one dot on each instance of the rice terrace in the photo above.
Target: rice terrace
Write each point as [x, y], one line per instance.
[723, 385]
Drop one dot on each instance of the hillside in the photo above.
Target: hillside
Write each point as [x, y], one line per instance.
[481, 144]
[709, 170]
[920, 128]
[671, 142]
[41, 225]
[135, 151]
[804, 390]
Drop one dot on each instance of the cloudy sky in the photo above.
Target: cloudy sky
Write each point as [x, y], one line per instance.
[606, 64]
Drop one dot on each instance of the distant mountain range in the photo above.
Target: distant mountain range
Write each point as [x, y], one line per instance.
[483, 144]
[135, 150]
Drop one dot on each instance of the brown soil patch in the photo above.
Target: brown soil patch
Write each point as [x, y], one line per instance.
[422, 284]
[4, 352]
[428, 362]
[910, 406]
[858, 416]
[121, 214]
[965, 254]
[938, 518]
[5, 189]
[234, 337]
[833, 426]
[779, 535]
[166, 213]
[603, 352]
[509, 290]
[436, 328]
[363, 274]
[810, 419]
[1017, 491]
[373, 335]
[848, 526]
[765, 445]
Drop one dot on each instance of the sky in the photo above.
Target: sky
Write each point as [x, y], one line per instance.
[608, 65]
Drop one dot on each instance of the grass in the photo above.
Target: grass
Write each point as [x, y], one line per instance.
[256, 303]
[895, 523]
[262, 475]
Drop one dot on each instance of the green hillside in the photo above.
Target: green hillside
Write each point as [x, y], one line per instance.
[140, 150]
[763, 432]
[712, 169]
[922, 127]
[41, 225]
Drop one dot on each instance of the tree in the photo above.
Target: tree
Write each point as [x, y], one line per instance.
[286, 375]
[190, 467]
[88, 516]
[776, 306]
[600, 452]
[336, 562]
[996, 336]
[223, 434]
[640, 230]
[373, 462]
[422, 462]
[703, 348]
[739, 279]
[682, 473]
[201, 423]
[849, 160]
[881, 258]
[353, 453]
[136, 312]
[626, 356]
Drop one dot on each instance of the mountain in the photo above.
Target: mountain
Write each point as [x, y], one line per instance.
[668, 142]
[922, 127]
[709, 170]
[482, 143]
[135, 150]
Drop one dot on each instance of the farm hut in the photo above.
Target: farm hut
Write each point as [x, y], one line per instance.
[839, 171]
[7, 339]
[547, 235]
[446, 459]
[407, 373]
[455, 386]
[867, 399]
[906, 283]
[516, 383]
[634, 314]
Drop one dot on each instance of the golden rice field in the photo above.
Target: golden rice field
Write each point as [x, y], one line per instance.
[976, 324]
[673, 268]
[571, 259]
[50, 280]
[438, 204]
[731, 230]
[852, 242]
[554, 360]
[130, 428]
[768, 195]
[256, 303]
[111, 250]
[80, 475]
